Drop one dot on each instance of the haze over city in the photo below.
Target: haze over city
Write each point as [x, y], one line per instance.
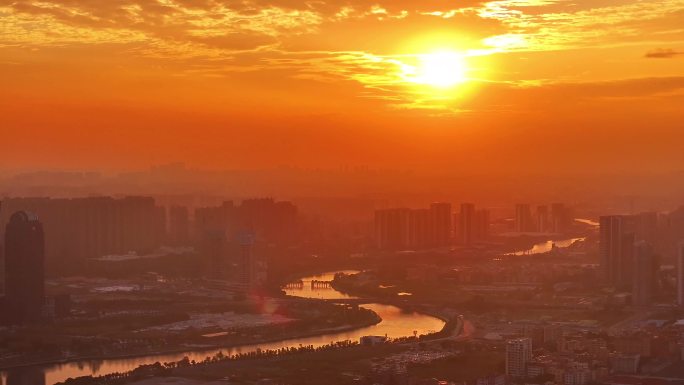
[341, 192]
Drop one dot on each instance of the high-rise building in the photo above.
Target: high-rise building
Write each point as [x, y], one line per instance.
[211, 233]
[270, 221]
[646, 227]
[645, 270]
[2, 272]
[471, 225]
[392, 229]
[481, 226]
[440, 219]
[82, 228]
[616, 250]
[419, 228]
[179, 226]
[671, 233]
[213, 248]
[247, 265]
[518, 354]
[402, 228]
[680, 275]
[523, 218]
[543, 219]
[466, 224]
[561, 218]
[24, 267]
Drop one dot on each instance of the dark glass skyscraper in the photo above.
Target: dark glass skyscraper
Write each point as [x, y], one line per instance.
[24, 267]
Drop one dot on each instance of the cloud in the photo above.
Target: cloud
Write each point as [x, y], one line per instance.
[556, 25]
[340, 41]
[236, 41]
[663, 53]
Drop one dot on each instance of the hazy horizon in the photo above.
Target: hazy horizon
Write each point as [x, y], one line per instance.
[329, 189]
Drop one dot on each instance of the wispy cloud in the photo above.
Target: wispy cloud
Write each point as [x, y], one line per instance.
[344, 40]
[555, 25]
[663, 53]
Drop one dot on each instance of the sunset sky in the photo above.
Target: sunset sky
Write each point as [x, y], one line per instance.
[541, 85]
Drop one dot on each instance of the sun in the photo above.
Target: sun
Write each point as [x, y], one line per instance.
[442, 69]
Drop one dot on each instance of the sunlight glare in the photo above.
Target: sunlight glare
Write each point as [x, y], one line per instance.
[442, 69]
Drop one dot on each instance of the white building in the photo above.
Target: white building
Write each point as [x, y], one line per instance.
[518, 354]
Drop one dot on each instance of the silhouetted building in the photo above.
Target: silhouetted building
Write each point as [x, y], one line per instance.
[645, 272]
[232, 262]
[213, 249]
[481, 226]
[616, 250]
[419, 228]
[269, 221]
[226, 236]
[2, 274]
[392, 229]
[214, 218]
[671, 233]
[680, 275]
[402, 228]
[561, 218]
[24, 268]
[466, 224]
[179, 226]
[646, 228]
[523, 218]
[83, 228]
[251, 269]
[543, 225]
[440, 219]
[472, 224]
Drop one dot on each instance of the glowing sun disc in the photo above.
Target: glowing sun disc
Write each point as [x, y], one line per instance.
[439, 69]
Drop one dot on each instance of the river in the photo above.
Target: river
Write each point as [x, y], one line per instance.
[546, 246]
[395, 323]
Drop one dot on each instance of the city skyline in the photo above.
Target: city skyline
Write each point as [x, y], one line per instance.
[341, 192]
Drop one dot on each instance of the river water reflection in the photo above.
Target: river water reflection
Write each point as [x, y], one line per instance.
[306, 291]
[545, 247]
[395, 323]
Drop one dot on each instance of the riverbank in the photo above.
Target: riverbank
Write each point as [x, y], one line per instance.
[402, 303]
[536, 244]
[392, 321]
[344, 350]
[187, 349]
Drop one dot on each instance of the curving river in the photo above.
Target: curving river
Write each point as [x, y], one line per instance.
[546, 246]
[395, 323]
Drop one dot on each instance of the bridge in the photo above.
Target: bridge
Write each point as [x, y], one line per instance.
[315, 284]
[295, 285]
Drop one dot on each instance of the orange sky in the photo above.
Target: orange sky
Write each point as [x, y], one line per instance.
[549, 85]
